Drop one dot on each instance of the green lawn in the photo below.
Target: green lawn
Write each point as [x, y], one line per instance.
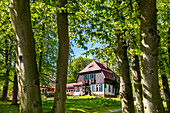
[83, 104]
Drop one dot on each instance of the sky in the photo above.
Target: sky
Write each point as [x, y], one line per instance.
[79, 51]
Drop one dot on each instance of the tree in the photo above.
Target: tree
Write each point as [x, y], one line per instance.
[62, 62]
[164, 47]
[29, 89]
[6, 73]
[126, 95]
[135, 68]
[149, 57]
[75, 66]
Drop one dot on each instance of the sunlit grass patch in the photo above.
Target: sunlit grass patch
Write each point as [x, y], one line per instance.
[80, 104]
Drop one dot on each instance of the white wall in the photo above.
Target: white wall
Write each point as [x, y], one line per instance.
[78, 93]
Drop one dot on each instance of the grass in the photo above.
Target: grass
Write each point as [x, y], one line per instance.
[6, 107]
[85, 105]
[82, 104]
[78, 104]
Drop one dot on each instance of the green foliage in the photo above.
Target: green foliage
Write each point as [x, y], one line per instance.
[6, 34]
[75, 66]
[44, 27]
[164, 34]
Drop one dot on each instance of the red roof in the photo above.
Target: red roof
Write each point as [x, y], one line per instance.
[96, 66]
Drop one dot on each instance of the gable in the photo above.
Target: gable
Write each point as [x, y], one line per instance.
[95, 66]
[91, 67]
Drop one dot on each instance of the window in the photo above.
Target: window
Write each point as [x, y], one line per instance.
[107, 88]
[93, 76]
[111, 88]
[79, 89]
[76, 89]
[92, 88]
[97, 86]
[101, 87]
[91, 67]
[86, 77]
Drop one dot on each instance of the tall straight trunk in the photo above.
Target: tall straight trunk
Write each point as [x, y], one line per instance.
[166, 91]
[137, 83]
[27, 73]
[125, 82]
[135, 68]
[164, 75]
[62, 62]
[149, 57]
[15, 89]
[6, 74]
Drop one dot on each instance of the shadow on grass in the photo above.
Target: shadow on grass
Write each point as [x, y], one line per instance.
[86, 105]
[6, 107]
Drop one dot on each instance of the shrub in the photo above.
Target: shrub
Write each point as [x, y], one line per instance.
[99, 96]
[67, 94]
[92, 94]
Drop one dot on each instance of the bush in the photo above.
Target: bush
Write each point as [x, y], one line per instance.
[67, 94]
[99, 96]
[92, 94]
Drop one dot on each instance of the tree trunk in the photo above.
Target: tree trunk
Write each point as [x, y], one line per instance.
[27, 73]
[149, 57]
[62, 62]
[15, 90]
[163, 62]
[135, 68]
[166, 91]
[125, 82]
[137, 83]
[6, 74]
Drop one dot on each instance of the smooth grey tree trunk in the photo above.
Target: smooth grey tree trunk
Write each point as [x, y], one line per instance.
[26, 67]
[126, 94]
[149, 57]
[62, 62]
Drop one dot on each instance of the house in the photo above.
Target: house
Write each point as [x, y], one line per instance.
[96, 79]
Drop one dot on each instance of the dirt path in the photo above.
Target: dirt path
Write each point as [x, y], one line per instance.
[116, 110]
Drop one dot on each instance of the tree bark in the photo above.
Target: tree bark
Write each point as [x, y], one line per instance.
[27, 73]
[15, 90]
[62, 62]
[149, 57]
[135, 68]
[166, 91]
[137, 83]
[6, 74]
[125, 82]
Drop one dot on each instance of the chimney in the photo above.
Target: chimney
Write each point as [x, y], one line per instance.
[105, 64]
